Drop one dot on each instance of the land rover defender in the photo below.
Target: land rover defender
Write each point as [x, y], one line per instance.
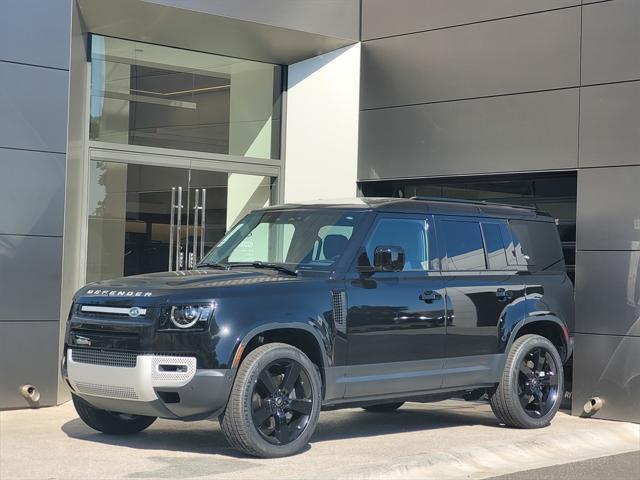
[365, 303]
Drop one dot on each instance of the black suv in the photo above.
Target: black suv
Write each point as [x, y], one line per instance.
[369, 303]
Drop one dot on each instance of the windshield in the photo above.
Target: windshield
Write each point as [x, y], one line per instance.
[296, 239]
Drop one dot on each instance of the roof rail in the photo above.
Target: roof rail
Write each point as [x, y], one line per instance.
[470, 202]
[448, 200]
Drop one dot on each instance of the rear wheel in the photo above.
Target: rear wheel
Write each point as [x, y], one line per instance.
[532, 384]
[383, 407]
[275, 402]
[110, 422]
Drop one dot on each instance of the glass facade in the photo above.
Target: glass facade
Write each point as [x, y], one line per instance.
[157, 96]
[135, 225]
[554, 193]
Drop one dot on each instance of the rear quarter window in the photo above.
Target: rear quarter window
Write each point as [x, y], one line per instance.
[537, 245]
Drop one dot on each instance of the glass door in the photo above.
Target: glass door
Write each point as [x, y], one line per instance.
[146, 218]
[217, 200]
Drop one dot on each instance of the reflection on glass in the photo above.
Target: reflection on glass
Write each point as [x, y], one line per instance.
[143, 94]
[299, 240]
[410, 235]
[129, 224]
[465, 250]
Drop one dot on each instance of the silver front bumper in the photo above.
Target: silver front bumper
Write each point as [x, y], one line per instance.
[128, 379]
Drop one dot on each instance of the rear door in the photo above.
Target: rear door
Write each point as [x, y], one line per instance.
[482, 288]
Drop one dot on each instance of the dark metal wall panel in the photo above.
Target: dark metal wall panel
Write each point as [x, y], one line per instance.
[336, 18]
[35, 32]
[28, 355]
[611, 41]
[610, 125]
[607, 366]
[30, 281]
[33, 107]
[382, 18]
[31, 192]
[522, 54]
[608, 215]
[608, 292]
[535, 131]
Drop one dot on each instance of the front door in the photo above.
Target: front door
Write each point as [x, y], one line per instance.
[148, 218]
[396, 320]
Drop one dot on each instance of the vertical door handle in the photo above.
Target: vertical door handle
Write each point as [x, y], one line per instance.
[203, 212]
[171, 227]
[194, 257]
[179, 256]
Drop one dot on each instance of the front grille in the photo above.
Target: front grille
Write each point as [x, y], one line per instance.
[111, 391]
[339, 304]
[106, 358]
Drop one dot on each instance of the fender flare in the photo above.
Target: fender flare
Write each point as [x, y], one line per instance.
[241, 345]
[547, 317]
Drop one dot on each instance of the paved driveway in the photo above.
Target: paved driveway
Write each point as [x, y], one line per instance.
[452, 439]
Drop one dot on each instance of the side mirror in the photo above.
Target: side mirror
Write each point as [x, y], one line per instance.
[388, 258]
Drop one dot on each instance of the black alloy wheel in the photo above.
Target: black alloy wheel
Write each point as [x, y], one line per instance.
[538, 382]
[282, 401]
[275, 402]
[531, 386]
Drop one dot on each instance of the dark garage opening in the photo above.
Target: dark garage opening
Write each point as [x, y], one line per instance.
[554, 193]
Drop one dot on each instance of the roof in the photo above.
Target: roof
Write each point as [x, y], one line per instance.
[448, 206]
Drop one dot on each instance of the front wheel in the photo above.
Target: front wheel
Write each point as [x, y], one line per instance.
[110, 422]
[531, 388]
[275, 402]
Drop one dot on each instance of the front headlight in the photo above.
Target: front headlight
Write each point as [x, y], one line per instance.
[186, 316]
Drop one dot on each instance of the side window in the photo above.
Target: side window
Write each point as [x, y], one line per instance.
[464, 247]
[494, 245]
[408, 233]
[537, 244]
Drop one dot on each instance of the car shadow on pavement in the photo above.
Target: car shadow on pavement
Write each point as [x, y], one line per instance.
[359, 423]
[206, 436]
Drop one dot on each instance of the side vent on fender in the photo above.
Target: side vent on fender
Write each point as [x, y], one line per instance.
[339, 305]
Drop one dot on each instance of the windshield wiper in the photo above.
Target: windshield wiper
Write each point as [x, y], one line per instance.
[273, 266]
[219, 266]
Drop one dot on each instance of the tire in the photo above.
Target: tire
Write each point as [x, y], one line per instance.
[270, 413]
[383, 407]
[112, 423]
[531, 389]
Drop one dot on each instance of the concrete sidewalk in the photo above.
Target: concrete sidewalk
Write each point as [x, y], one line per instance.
[445, 440]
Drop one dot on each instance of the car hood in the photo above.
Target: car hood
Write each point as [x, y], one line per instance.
[153, 285]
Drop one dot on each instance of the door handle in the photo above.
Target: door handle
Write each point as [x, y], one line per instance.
[203, 212]
[179, 255]
[193, 258]
[503, 294]
[430, 296]
[171, 227]
[199, 220]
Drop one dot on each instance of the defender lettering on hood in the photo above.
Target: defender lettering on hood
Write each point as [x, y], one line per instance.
[118, 293]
